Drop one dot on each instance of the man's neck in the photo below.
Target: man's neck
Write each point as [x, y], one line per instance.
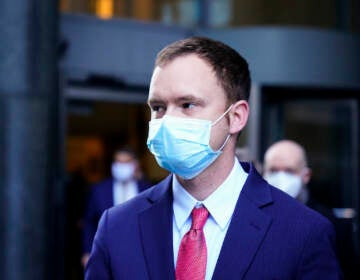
[210, 179]
[303, 195]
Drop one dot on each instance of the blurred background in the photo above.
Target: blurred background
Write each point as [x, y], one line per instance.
[73, 87]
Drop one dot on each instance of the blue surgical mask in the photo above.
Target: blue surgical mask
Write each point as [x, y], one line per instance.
[182, 145]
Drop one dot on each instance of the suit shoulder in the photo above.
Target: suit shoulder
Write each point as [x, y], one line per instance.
[296, 211]
[130, 209]
[133, 206]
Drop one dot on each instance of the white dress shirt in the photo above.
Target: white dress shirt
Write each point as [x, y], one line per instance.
[124, 191]
[220, 204]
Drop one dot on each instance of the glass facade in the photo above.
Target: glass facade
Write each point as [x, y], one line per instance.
[225, 13]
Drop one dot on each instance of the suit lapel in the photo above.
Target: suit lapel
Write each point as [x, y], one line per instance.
[156, 232]
[247, 229]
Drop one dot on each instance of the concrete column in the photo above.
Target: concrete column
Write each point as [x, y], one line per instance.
[28, 140]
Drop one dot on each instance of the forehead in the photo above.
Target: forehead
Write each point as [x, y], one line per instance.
[282, 161]
[187, 74]
[123, 156]
[188, 66]
[282, 157]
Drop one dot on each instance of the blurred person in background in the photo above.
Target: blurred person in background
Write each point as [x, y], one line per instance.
[126, 181]
[286, 167]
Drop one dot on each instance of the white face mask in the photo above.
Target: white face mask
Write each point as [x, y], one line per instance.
[123, 171]
[287, 182]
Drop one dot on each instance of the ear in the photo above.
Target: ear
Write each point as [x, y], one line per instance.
[306, 175]
[238, 116]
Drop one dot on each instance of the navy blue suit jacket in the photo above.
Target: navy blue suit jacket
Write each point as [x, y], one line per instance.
[99, 199]
[271, 236]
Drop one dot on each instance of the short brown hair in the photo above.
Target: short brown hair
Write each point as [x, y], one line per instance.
[230, 68]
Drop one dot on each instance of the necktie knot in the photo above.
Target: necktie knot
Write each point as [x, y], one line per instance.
[199, 217]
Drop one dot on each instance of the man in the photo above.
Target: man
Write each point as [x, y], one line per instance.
[286, 167]
[125, 183]
[213, 217]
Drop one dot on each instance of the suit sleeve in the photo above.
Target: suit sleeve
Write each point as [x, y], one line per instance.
[319, 256]
[98, 266]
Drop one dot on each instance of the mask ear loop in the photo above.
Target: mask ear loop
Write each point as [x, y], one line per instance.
[225, 142]
[216, 121]
[219, 118]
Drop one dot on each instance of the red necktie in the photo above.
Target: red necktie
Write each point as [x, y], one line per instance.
[191, 261]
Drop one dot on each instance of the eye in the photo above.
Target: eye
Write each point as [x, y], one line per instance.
[158, 108]
[188, 105]
[274, 170]
[290, 170]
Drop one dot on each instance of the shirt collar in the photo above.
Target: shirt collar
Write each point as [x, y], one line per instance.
[183, 203]
[220, 204]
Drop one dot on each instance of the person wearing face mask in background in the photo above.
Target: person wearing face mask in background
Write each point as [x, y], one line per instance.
[126, 182]
[286, 167]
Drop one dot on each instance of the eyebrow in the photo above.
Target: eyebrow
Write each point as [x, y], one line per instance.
[191, 98]
[185, 98]
[154, 100]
